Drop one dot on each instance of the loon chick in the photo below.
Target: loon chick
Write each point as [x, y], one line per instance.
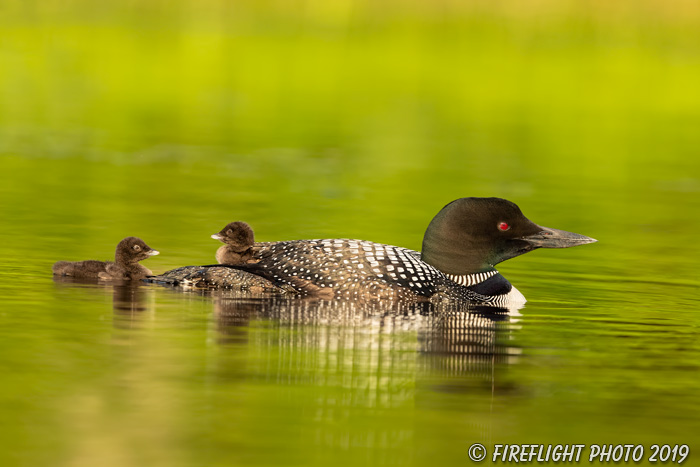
[461, 246]
[238, 239]
[238, 248]
[125, 266]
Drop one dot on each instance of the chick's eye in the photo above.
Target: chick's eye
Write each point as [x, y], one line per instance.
[137, 248]
[503, 226]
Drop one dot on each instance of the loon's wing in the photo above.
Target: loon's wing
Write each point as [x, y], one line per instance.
[343, 268]
[303, 265]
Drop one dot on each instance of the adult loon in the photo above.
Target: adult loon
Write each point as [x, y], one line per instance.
[461, 246]
[126, 265]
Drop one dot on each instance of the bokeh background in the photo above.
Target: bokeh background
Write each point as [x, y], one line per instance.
[344, 118]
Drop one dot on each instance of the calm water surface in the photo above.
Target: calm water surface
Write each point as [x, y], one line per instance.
[359, 119]
[605, 351]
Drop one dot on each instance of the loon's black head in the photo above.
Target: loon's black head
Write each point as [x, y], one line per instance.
[133, 250]
[471, 235]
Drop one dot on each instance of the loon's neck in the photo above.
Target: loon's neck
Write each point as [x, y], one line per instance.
[488, 283]
[469, 280]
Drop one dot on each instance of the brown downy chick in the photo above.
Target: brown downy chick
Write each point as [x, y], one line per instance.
[238, 239]
[126, 266]
[129, 252]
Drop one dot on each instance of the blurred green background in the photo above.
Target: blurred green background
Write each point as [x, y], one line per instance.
[308, 119]
[184, 112]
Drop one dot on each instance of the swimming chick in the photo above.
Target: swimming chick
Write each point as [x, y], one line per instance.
[461, 247]
[125, 266]
[238, 239]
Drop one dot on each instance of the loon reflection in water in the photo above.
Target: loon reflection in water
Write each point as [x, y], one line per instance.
[349, 356]
[461, 246]
[447, 339]
[453, 338]
[351, 360]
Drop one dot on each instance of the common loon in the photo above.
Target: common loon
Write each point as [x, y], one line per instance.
[126, 265]
[461, 246]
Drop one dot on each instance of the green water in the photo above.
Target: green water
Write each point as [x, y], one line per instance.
[345, 119]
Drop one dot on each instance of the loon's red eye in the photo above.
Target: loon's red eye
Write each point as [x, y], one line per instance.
[503, 226]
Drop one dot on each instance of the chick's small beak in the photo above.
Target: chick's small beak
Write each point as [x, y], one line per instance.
[153, 252]
[217, 237]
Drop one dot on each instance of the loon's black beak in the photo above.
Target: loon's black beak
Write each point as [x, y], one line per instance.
[554, 238]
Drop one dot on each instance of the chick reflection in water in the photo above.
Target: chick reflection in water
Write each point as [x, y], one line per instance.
[130, 300]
